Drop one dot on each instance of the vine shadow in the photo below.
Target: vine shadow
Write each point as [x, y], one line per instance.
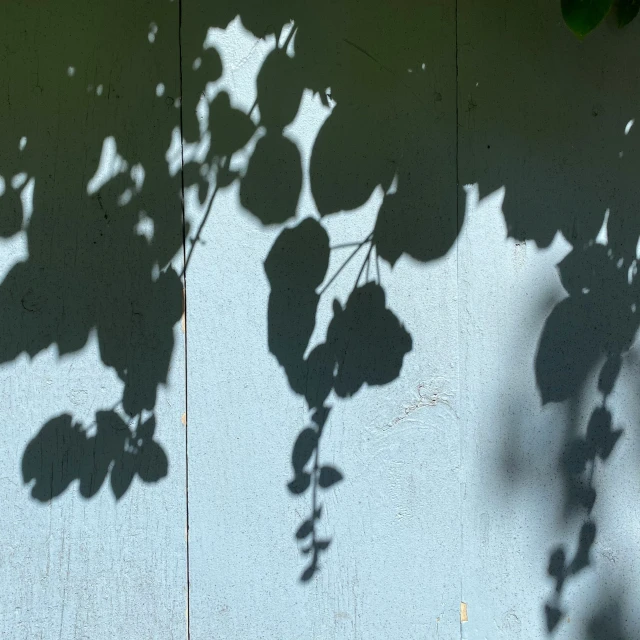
[566, 147]
[86, 188]
[102, 247]
[387, 128]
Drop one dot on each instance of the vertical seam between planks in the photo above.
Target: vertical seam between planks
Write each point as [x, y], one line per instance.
[184, 311]
[458, 294]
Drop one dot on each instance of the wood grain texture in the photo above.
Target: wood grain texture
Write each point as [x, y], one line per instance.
[81, 332]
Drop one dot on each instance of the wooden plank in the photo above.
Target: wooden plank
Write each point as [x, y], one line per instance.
[547, 147]
[91, 346]
[392, 569]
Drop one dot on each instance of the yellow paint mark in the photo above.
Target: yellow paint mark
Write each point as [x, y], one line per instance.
[183, 419]
[463, 612]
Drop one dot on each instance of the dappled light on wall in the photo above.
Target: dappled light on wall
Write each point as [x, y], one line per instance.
[107, 234]
[127, 145]
[385, 130]
[101, 216]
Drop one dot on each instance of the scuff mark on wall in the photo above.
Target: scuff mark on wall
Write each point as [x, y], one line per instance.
[428, 394]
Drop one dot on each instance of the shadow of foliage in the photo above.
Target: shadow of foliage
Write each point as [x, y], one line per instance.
[103, 249]
[567, 153]
[91, 265]
[365, 344]
[100, 247]
[385, 129]
[597, 321]
[63, 452]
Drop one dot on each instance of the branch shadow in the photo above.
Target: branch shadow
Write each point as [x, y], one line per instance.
[99, 247]
[566, 148]
[103, 247]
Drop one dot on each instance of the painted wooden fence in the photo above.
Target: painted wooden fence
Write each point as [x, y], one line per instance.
[317, 322]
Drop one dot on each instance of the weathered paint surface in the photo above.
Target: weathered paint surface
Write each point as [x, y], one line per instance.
[393, 567]
[71, 86]
[453, 498]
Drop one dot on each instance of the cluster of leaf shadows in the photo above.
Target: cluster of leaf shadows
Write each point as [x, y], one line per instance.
[100, 250]
[365, 344]
[601, 314]
[583, 17]
[89, 459]
[99, 247]
[91, 270]
[382, 128]
[595, 323]
[565, 148]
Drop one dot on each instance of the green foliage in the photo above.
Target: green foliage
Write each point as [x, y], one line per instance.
[583, 16]
[627, 11]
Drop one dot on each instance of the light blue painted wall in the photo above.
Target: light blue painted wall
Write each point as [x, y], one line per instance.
[79, 304]
[512, 137]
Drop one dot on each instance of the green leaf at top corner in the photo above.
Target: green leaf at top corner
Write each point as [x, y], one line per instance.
[583, 16]
[627, 10]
